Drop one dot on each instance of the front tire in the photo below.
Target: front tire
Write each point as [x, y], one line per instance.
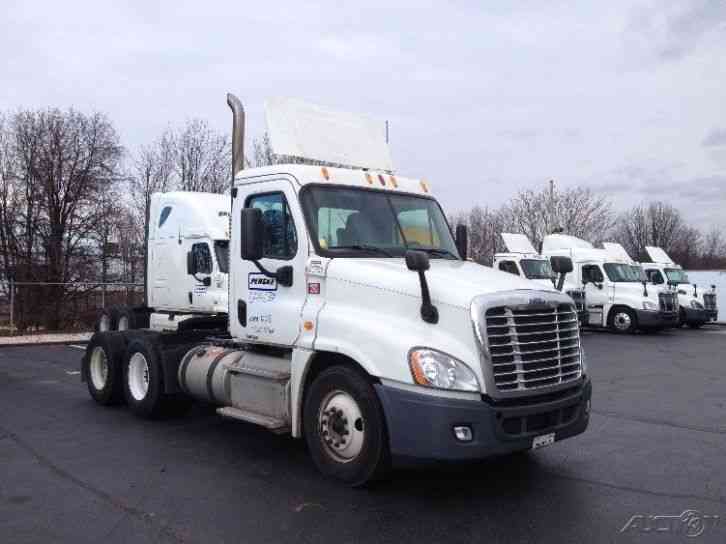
[345, 427]
[622, 321]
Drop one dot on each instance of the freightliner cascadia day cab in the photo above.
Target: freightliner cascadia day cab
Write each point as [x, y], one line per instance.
[697, 305]
[182, 226]
[617, 297]
[355, 321]
[522, 259]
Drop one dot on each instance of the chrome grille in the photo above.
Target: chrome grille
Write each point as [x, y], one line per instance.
[578, 296]
[667, 302]
[533, 347]
[709, 301]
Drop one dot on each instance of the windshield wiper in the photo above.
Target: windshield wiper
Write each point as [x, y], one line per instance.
[436, 251]
[365, 247]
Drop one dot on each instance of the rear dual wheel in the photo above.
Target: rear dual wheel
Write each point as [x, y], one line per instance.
[102, 368]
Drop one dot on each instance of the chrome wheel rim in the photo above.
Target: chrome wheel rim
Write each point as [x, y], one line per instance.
[138, 376]
[123, 323]
[104, 324]
[341, 426]
[622, 321]
[99, 368]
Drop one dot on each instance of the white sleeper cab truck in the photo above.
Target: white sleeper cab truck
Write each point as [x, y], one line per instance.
[355, 321]
[697, 305]
[523, 260]
[617, 297]
[184, 229]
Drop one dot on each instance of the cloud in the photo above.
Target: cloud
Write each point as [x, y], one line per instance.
[715, 138]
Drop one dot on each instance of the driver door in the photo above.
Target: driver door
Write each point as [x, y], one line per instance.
[597, 297]
[262, 310]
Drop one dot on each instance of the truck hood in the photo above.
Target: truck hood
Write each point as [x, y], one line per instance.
[450, 282]
[635, 290]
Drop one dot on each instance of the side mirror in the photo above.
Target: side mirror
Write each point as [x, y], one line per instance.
[191, 264]
[462, 241]
[561, 265]
[417, 260]
[251, 235]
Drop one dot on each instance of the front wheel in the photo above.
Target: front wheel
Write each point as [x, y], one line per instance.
[345, 427]
[622, 320]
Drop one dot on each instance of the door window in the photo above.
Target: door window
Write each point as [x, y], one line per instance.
[202, 258]
[280, 239]
[509, 266]
[592, 273]
[654, 276]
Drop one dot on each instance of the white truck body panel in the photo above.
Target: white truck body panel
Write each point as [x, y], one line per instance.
[177, 221]
[617, 252]
[299, 129]
[658, 255]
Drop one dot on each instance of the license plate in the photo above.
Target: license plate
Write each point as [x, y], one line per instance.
[543, 440]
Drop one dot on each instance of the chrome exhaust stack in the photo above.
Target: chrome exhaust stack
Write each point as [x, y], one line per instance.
[238, 134]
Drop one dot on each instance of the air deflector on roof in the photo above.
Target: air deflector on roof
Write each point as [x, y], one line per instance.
[301, 130]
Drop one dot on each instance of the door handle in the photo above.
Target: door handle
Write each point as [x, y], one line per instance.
[242, 312]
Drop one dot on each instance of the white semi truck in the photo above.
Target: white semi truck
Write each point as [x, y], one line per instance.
[182, 227]
[697, 305]
[522, 259]
[355, 320]
[617, 297]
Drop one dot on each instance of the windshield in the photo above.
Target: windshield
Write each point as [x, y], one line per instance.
[350, 222]
[676, 275]
[622, 272]
[221, 251]
[536, 269]
[640, 272]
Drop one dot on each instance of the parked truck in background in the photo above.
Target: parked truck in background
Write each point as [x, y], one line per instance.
[355, 321]
[182, 226]
[522, 259]
[617, 297]
[697, 306]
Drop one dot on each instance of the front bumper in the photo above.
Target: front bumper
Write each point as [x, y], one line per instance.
[696, 315]
[712, 315]
[657, 320]
[420, 426]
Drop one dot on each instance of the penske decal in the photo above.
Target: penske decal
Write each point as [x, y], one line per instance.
[259, 282]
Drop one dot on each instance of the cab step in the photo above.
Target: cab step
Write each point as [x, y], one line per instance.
[277, 426]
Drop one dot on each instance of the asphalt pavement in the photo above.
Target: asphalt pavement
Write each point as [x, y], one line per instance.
[71, 471]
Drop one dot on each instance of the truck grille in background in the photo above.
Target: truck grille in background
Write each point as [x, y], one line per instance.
[667, 302]
[709, 301]
[579, 298]
[533, 347]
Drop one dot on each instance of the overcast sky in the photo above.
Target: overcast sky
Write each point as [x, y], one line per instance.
[628, 98]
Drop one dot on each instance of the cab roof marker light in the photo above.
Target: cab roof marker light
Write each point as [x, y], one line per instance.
[369, 179]
[394, 182]
[325, 173]
[424, 186]
[382, 180]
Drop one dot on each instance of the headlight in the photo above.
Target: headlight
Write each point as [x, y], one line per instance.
[647, 305]
[697, 305]
[435, 369]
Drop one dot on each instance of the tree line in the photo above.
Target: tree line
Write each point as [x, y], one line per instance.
[581, 212]
[73, 204]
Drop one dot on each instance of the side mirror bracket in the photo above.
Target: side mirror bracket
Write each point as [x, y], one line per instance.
[418, 261]
[251, 239]
[462, 241]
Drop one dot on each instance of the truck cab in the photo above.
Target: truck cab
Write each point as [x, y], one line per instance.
[355, 321]
[523, 260]
[697, 306]
[616, 295]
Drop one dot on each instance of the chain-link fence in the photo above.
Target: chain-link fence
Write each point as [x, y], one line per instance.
[42, 307]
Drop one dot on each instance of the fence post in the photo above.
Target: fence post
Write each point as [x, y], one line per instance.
[103, 297]
[12, 305]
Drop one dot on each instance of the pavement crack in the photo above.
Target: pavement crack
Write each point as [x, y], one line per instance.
[655, 421]
[117, 503]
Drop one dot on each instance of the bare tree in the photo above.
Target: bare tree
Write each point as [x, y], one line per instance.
[576, 211]
[484, 226]
[655, 224]
[201, 158]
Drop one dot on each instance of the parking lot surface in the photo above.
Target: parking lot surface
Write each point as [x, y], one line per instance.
[72, 471]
